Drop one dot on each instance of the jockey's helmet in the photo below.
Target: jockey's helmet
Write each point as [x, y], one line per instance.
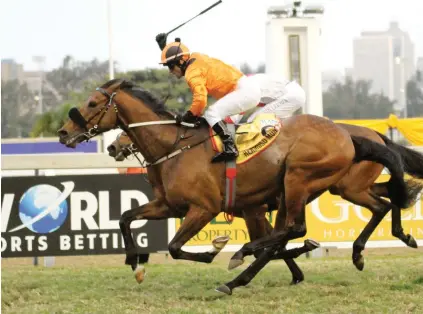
[175, 53]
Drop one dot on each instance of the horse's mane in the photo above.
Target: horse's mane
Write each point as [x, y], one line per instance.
[145, 96]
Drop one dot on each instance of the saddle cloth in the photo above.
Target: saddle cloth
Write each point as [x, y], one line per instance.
[252, 138]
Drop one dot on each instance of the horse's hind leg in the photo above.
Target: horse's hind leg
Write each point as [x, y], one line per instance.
[413, 188]
[290, 224]
[195, 220]
[258, 226]
[380, 189]
[387, 189]
[379, 208]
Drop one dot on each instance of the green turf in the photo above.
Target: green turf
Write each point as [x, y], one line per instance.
[388, 284]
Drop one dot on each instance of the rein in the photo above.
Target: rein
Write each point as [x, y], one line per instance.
[77, 117]
[178, 139]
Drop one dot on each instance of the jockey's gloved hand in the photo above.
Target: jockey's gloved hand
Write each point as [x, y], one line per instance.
[187, 117]
[161, 40]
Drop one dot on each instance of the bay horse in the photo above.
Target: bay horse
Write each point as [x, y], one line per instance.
[309, 155]
[354, 186]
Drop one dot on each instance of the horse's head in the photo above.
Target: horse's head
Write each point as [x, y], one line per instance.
[103, 111]
[97, 115]
[122, 147]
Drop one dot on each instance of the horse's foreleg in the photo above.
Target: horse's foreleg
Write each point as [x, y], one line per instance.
[195, 220]
[154, 210]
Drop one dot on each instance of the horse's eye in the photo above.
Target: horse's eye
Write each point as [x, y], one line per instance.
[92, 104]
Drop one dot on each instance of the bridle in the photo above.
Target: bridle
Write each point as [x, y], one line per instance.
[128, 150]
[78, 119]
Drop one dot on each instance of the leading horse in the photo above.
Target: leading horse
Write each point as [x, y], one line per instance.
[309, 155]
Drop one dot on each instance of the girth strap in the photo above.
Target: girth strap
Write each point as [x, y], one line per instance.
[230, 190]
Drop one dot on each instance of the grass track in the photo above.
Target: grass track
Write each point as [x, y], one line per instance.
[388, 284]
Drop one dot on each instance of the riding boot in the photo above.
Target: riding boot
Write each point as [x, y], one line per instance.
[230, 151]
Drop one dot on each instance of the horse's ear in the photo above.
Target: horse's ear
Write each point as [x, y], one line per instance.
[126, 84]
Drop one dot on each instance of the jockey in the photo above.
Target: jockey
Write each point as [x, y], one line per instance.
[234, 91]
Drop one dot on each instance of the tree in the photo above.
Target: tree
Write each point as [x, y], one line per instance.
[165, 86]
[67, 86]
[159, 82]
[51, 121]
[261, 68]
[414, 96]
[353, 100]
[18, 110]
[70, 79]
[247, 69]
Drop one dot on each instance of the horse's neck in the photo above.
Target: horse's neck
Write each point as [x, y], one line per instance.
[153, 141]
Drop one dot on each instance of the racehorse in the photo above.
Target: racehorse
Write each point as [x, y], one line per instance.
[350, 186]
[309, 155]
[256, 222]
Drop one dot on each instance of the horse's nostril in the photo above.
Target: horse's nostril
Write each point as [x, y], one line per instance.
[62, 133]
[111, 149]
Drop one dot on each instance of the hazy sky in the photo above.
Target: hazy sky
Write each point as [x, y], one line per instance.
[233, 31]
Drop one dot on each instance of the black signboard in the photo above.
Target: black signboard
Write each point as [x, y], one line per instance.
[75, 215]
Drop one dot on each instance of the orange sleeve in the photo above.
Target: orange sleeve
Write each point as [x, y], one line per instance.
[197, 83]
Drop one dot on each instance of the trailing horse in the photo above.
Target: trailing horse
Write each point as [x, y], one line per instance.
[354, 186]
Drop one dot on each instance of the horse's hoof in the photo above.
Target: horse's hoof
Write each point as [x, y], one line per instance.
[220, 242]
[234, 263]
[295, 281]
[139, 273]
[359, 262]
[411, 242]
[311, 244]
[224, 289]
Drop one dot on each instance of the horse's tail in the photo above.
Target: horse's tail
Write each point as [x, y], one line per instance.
[366, 149]
[412, 160]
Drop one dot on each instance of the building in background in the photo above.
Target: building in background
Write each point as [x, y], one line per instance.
[419, 65]
[387, 59]
[293, 47]
[10, 70]
[373, 60]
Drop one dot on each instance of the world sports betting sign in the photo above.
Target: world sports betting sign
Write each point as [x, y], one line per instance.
[329, 219]
[74, 215]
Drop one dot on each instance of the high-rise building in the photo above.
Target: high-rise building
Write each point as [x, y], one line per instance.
[387, 59]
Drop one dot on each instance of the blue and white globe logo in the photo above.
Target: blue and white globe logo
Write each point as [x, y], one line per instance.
[43, 208]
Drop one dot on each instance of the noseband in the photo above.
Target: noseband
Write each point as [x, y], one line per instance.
[79, 120]
[130, 149]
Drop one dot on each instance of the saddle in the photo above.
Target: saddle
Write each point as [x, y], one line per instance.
[251, 138]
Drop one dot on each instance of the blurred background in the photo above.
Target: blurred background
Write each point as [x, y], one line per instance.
[369, 54]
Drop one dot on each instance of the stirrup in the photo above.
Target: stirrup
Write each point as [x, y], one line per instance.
[224, 156]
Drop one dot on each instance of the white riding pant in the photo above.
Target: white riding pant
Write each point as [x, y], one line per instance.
[246, 96]
[283, 103]
[278, 96]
